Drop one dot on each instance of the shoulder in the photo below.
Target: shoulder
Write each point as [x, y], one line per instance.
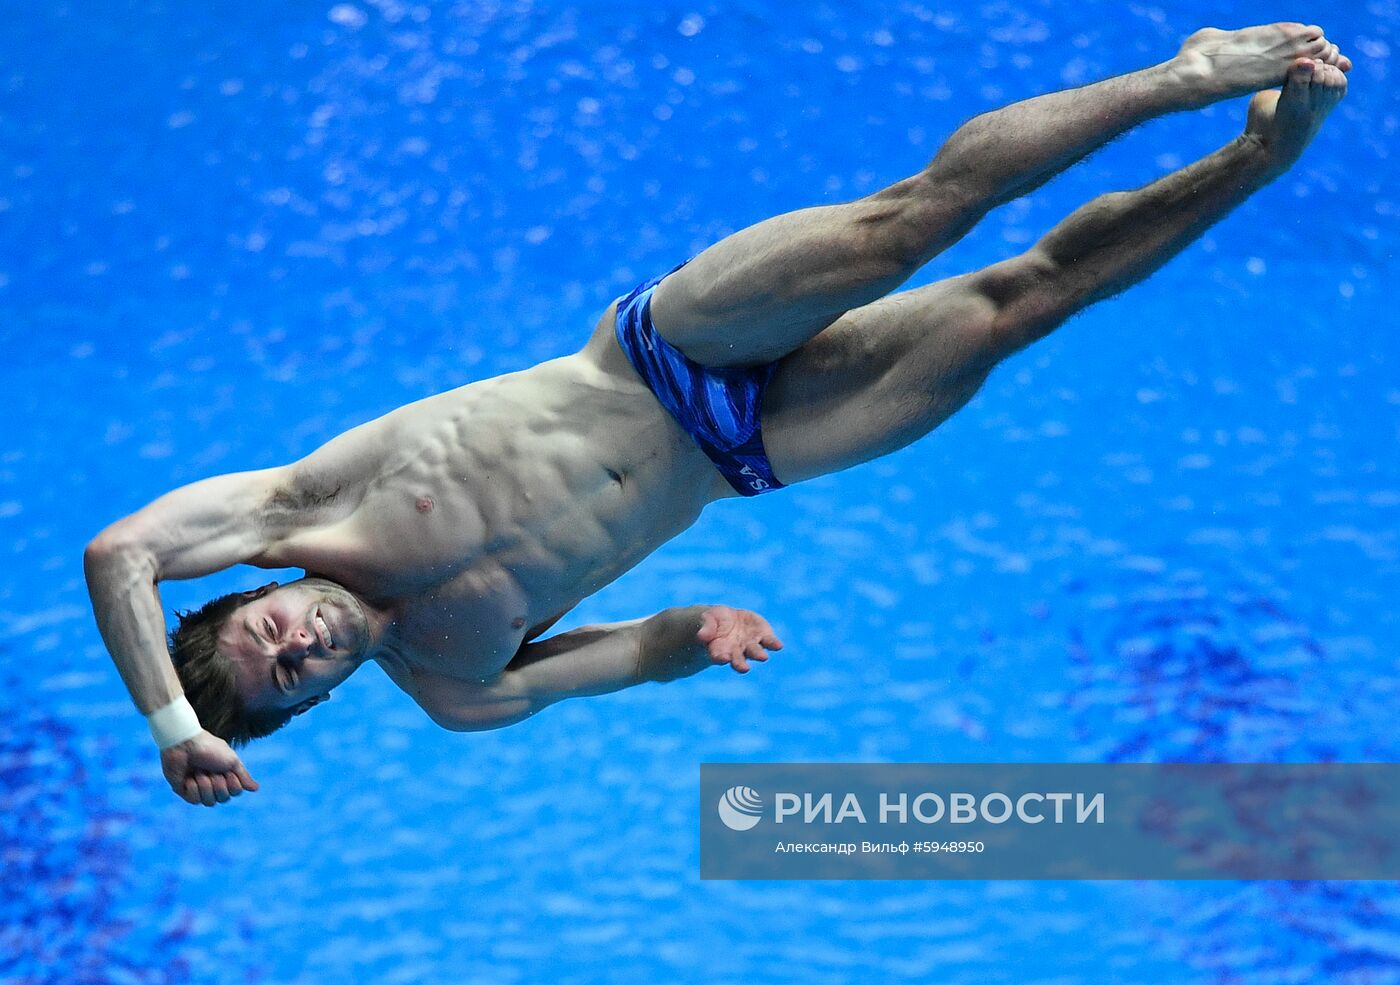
[330, 482]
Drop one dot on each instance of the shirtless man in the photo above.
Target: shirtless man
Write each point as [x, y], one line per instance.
[442, 540]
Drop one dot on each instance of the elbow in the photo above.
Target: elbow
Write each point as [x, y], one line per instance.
[475, 724]
[101, 548]
[451, 724]
[114, 550]
[112, 542]
[481, 720]
[100, 552]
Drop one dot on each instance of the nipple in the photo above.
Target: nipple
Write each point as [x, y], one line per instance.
[518, 622]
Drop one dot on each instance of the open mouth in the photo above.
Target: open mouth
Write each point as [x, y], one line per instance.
[323, 631]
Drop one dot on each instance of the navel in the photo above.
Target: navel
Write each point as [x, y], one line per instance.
[425, 504]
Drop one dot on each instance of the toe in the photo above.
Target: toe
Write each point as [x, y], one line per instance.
[1301, 73]
[1300, 32]
[1332, 79]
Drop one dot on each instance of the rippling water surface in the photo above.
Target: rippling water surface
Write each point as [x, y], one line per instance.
[1167, 533]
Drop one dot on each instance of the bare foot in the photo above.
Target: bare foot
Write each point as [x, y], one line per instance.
[1285, 122]
[1217, 64]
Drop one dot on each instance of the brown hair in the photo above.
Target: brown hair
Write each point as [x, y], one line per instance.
[207, 675]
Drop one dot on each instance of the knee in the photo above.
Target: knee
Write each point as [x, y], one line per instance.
[964, 180]
[1028, 296]
[923, 214]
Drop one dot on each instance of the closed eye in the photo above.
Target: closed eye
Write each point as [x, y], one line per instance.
[286, 682]
[270, 628]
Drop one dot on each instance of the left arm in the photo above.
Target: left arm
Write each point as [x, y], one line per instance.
[672, 644]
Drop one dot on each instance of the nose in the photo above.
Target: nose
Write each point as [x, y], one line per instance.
[297, 644]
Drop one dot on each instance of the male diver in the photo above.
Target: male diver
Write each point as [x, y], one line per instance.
[443, 540]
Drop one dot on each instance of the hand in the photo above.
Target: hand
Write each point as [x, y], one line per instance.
[204, 770]
[736, 636]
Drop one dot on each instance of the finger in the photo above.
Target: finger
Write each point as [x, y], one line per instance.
[206, 789]
[754, 651]
[220, 786]
[739, 662]
[245, 778]
[235, 786]
[771, 641]
[189, 791]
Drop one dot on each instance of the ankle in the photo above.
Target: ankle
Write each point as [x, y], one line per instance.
[1263, 157]
[1187, 80]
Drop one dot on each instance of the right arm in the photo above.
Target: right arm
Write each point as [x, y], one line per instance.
[245, 517]
[193, 531]
[196, 530]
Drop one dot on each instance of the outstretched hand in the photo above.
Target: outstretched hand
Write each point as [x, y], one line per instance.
[204, 770]
[736, 636]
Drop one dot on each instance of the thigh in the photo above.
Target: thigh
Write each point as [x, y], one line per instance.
[882, 376]
[757, 295]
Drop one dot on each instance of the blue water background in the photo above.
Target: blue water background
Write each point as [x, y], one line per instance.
[228, 232]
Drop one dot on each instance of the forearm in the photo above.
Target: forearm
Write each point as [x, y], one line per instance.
[122, 583]
[594, 660]
[669, 648]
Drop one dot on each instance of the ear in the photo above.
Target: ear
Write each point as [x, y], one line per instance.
[257, 593]
[310, 703]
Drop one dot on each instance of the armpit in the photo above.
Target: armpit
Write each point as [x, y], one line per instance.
[303, 497]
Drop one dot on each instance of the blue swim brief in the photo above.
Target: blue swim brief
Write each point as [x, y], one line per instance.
[718, 408]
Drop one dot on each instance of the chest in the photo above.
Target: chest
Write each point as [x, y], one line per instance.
[468, 628]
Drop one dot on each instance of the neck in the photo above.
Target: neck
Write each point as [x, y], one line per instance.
[378, 618]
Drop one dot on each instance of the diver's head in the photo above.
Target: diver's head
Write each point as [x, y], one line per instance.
[250, 661]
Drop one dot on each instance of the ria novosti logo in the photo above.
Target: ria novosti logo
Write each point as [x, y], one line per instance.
[740, 808]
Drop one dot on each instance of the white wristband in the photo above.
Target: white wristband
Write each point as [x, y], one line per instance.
[174, 723]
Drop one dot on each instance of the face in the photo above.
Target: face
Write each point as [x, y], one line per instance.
[294, 643]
